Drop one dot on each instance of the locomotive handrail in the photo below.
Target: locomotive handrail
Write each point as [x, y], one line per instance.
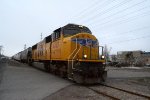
[72, 53]
[102, 52]
[102, 49]
[74, 56]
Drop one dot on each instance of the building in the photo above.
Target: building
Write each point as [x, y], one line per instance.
[146, 58]
[123, 56]
[138, 57]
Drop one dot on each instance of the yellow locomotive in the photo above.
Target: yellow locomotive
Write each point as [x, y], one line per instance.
[73, 52]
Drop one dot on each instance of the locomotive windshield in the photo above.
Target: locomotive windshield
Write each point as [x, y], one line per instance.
[75, 29]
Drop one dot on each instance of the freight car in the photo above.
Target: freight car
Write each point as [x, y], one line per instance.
[17, 56]
[25, 56]
[73, 52]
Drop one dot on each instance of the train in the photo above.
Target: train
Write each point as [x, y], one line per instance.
[70, 51]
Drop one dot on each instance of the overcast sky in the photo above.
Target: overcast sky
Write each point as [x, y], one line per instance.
[120, 24]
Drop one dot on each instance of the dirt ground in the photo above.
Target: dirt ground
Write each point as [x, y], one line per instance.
[75, 92]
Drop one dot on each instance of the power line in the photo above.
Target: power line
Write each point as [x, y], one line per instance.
[96, 6]
[86, 9]
[108, 10]
[118, 34]
[125, 20]
[129, 40]
[120, 17]
[120, 11]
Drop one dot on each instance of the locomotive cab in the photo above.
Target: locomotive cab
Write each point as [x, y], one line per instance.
[81, 49]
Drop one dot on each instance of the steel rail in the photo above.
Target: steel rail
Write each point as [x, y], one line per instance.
[104, 94]
[127, 91]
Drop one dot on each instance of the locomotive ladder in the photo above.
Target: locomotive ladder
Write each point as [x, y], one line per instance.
[71, 66]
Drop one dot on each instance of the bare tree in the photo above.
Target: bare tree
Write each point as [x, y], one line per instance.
[107, 53]
[129, 58]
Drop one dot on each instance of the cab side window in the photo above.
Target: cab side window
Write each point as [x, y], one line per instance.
[53, 36]
[56, 34]
[48, 39]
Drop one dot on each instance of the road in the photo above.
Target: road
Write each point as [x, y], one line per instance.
[22, 82]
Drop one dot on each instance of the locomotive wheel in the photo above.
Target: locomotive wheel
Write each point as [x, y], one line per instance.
[57, 69]
[104, 76]
[46, 66]
[29, 61]
[63, 71]
[53, 69]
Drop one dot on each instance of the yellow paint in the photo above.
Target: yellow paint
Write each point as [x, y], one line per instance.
[62, 48]
[47, 51]
[81, 60]
[34, 54]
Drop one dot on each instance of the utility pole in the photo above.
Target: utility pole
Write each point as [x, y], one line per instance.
[1, 49]
[41, 36]
[25, 46]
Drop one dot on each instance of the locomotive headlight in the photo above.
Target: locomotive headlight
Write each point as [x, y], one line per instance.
[103, 57]
[85, 56]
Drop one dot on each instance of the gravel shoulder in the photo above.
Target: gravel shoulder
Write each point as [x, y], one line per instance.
[75, 92]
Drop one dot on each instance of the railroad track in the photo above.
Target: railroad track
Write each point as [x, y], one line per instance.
[104, 94]
[112, 97]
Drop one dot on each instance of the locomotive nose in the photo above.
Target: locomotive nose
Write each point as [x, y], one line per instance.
[85, 48]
